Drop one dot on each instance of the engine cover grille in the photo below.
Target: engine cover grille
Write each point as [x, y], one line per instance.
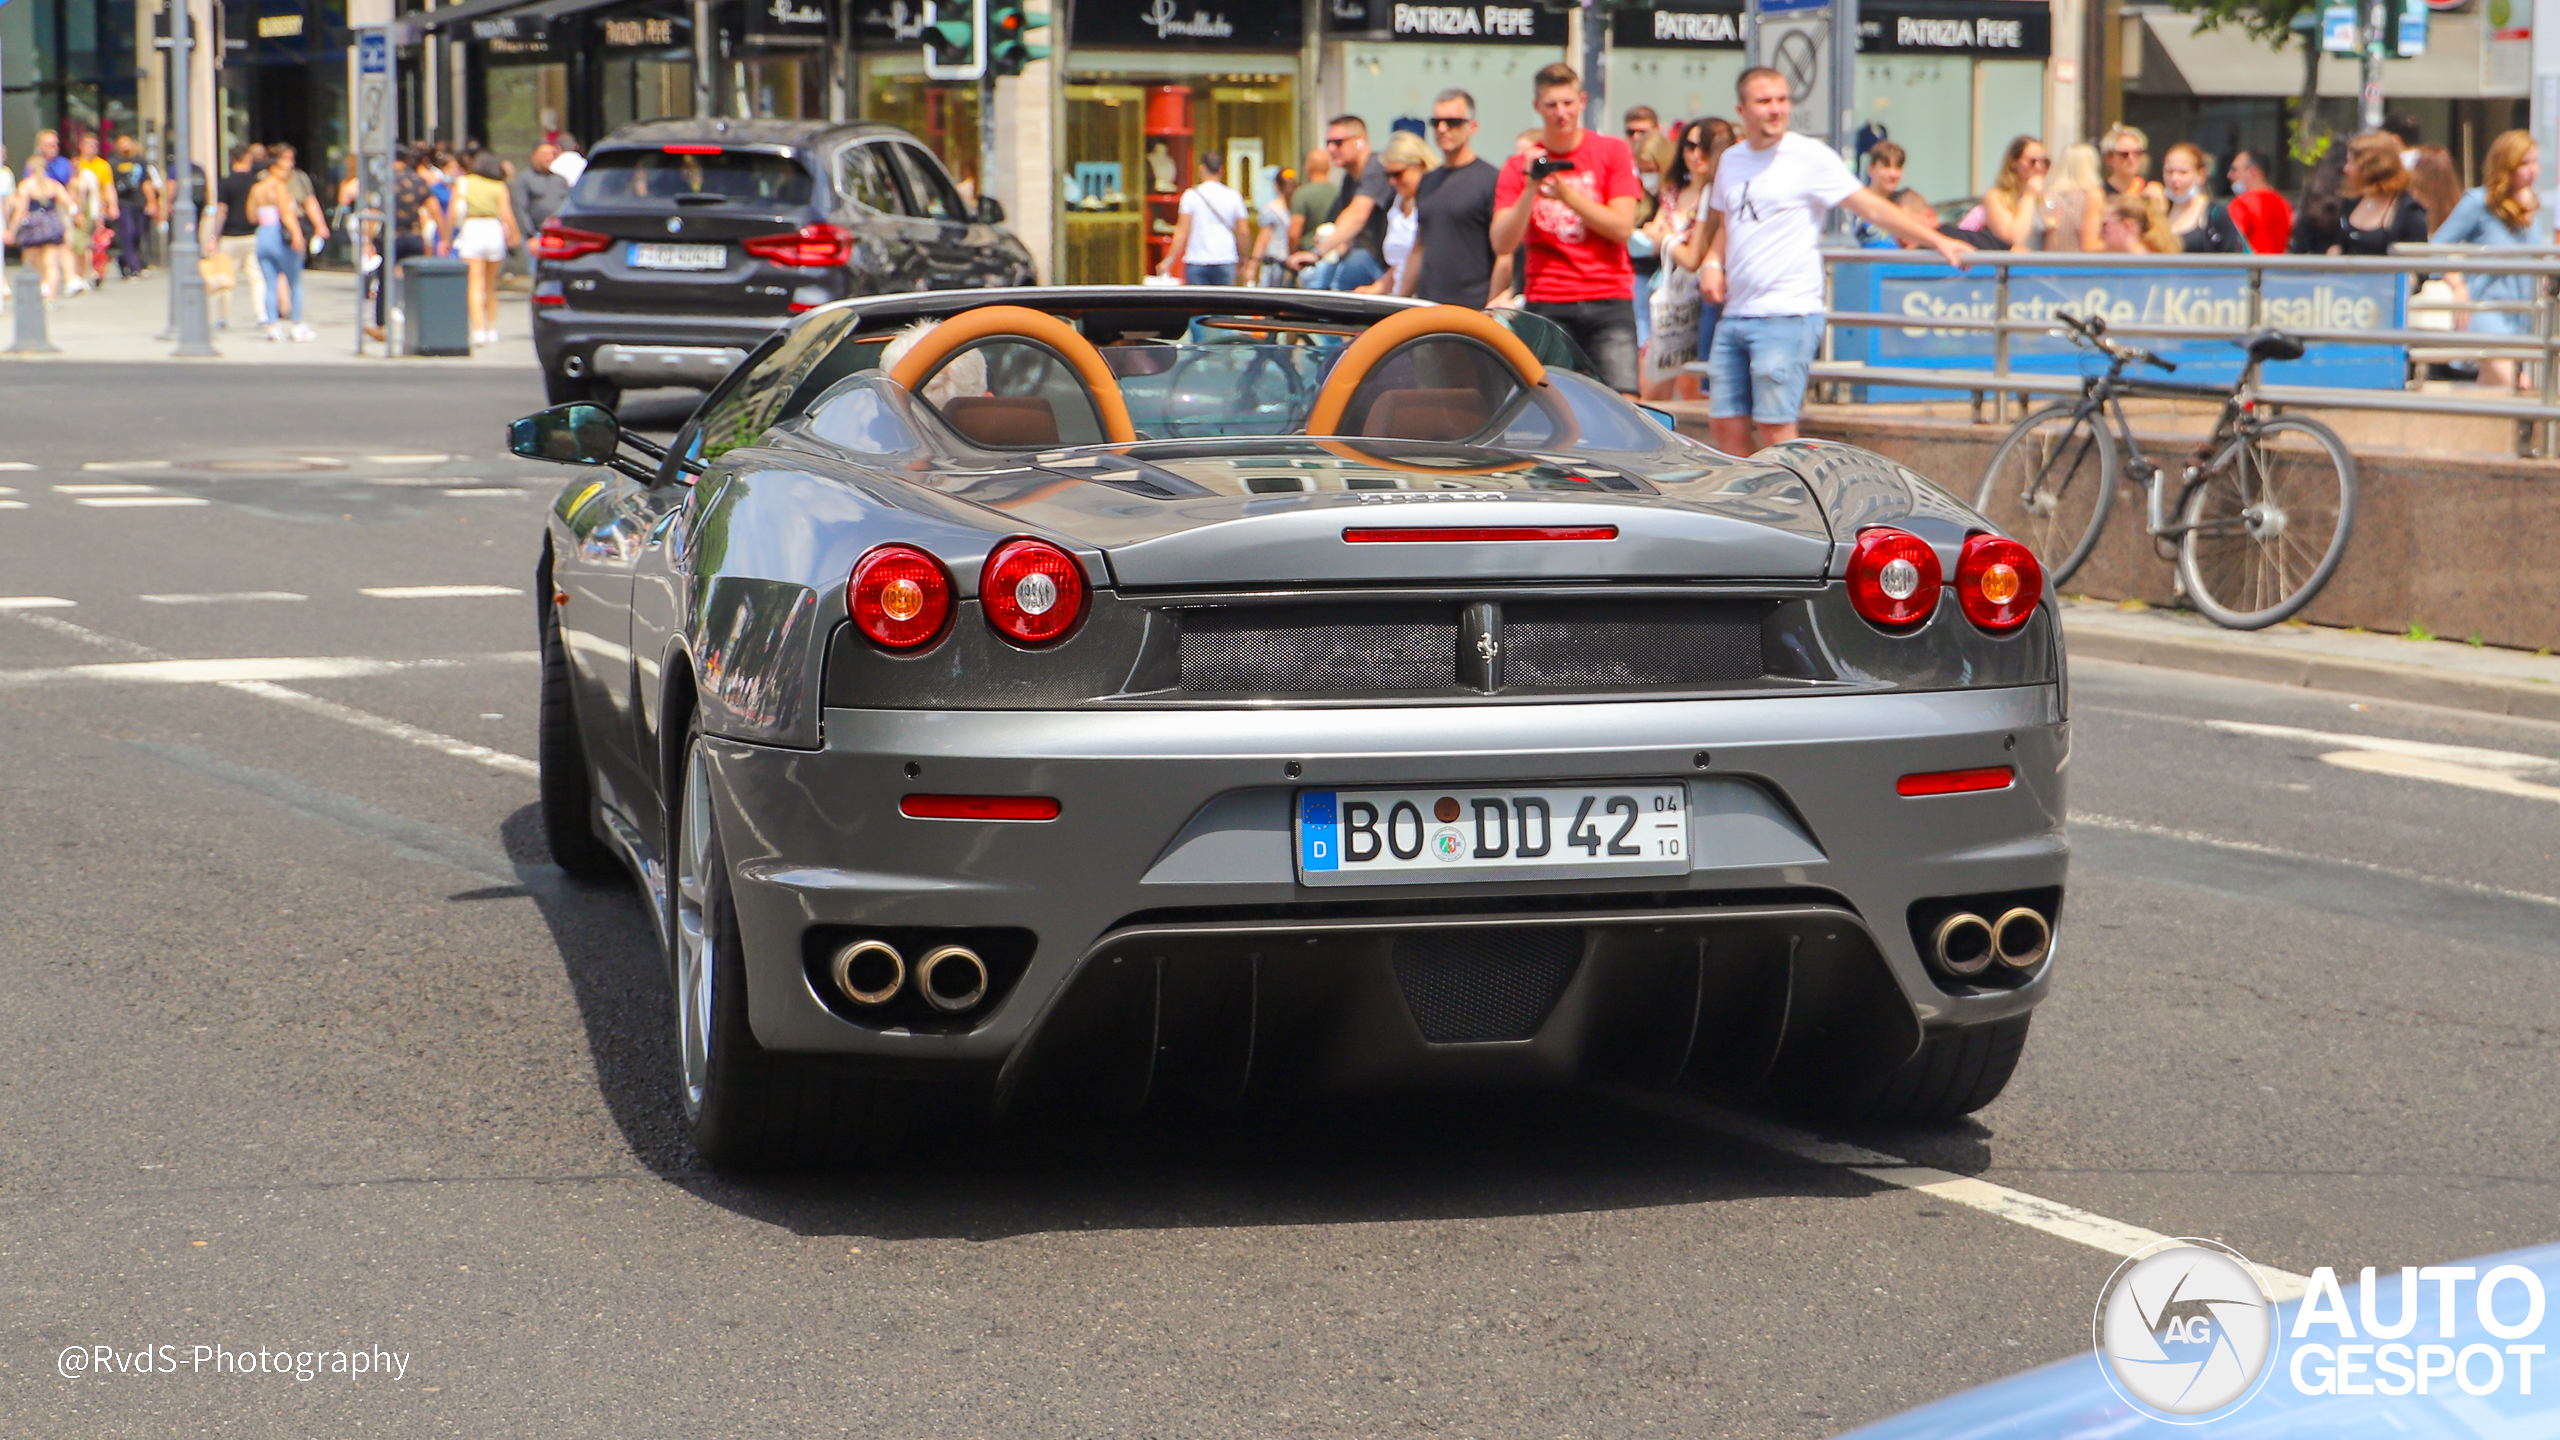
[1296, 652]
[1611, 646]
[1476, 985]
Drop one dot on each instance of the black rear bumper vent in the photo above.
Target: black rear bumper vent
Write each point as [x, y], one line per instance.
[1628, 646]
[1466, 986]
[1284, 652]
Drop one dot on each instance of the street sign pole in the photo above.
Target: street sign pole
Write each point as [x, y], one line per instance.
[186, 272]
[1595, 63]
[2377, 43]
[377, 120]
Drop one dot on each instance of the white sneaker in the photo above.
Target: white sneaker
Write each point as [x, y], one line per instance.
[275, 332]
[75, 287]
[305, 332]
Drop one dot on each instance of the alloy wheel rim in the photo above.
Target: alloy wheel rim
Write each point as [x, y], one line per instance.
[695, 958]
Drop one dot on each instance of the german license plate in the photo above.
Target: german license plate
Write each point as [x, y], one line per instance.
[1408, 837]
[679, 257]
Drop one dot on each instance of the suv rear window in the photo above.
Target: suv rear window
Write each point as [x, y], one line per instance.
[624, 177]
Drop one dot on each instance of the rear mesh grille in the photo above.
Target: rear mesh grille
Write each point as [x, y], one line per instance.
[1544, 645]
[1593, 647]
[1293, 653]
[1476, 985]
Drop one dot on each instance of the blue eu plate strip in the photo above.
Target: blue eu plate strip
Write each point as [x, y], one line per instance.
[1318, 848]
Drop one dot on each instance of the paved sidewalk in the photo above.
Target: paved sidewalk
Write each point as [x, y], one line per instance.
[119, 321]
[2389, 667]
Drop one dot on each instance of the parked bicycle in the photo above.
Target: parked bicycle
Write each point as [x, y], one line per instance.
[2264, 505]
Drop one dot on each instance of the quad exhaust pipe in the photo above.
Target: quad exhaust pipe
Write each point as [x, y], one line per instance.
[871, 973]
[1965, 944]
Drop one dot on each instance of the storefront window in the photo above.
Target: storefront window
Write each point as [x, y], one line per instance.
[942, 115]
[780, 88]
[1129, 157]
[526, 106]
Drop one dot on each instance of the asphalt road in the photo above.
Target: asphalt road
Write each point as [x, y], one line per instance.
[309, 1048]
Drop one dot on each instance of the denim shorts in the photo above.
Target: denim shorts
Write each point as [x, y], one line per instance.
[1758, 363]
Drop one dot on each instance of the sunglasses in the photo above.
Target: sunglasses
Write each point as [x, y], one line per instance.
[2037, 163]
[2128, 154]
[1332, 140]
[1449, 122]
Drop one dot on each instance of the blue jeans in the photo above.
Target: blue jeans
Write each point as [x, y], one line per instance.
[1209, 274]
[1356, 268]
[278, 256]
[1757, 366]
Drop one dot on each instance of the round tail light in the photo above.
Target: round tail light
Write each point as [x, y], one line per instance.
[1032, 591]
[1893, 577]
[1998, 582]
[899, 596]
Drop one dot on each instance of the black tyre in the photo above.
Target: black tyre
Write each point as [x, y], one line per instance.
[745, 1107]
[2266, 531]
[566, 787]
[2050, 484]
[1956, 1073]
[561, 390]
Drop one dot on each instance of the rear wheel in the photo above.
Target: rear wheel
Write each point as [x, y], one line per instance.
[566, 786]
[2267, 530]
[747, 1108]
[561, 390]
[2049, 485]
[1955, 1073]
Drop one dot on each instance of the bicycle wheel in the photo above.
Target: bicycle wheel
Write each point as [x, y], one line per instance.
[2049, 485]
[2266, 530]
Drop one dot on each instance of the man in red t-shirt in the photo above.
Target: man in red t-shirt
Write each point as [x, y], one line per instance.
[1576, 217]
[2258, 208]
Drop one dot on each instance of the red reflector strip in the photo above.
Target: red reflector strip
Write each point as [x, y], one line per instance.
[550, 299]
[1956, 782]
[978, 807]
[690, 149]
[1465, 534]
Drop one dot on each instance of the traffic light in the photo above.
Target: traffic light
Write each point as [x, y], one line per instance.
[1008, 45]
[955, 39]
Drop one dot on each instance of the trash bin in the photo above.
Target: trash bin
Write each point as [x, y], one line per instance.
[435, 305]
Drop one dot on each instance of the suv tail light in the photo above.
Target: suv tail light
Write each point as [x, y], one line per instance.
[1893, 577]
[809, 246]
[899, 596]
[1998, 582]
[555, 241]
[1032, 591]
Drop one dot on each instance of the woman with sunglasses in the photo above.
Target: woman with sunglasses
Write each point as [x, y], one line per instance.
[2127, 152]
[1675, 301]
[2013, 211]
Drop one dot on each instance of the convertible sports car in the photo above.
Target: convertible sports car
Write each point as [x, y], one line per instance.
[1110, 697]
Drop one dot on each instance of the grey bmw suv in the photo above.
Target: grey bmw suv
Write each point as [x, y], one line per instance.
[687, 242]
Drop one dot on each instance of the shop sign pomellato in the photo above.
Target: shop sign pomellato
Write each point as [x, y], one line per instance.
[1192, 24]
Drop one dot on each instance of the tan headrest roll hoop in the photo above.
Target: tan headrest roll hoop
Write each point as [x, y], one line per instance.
[1399, 329]
[990, 321]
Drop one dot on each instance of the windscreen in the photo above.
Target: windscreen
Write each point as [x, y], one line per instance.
[662, 177]
[1185, 392]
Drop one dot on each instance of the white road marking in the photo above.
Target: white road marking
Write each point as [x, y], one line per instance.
[437, 592]
[493, 492]
[2388, 745]
[15, 465]
[139, 502]
[215, 672]
[13, 504]
[2052, 1217]
[222, 599]
[329, 461]
[106, 489]
[364, 720]
[106, 465]
[2419, 767]
[2252, 847]
[411, 459]
[35, 602]
[8, 489]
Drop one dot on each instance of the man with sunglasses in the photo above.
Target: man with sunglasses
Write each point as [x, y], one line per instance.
[1355, 254]
[1452, 261]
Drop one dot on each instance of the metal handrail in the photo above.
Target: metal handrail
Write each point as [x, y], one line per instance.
[2538, 423]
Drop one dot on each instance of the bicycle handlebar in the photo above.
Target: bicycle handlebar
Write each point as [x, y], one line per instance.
[2092, 330]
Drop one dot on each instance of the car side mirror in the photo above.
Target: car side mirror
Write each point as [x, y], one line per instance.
[580, 433]
[1663, 418]
[990, 210]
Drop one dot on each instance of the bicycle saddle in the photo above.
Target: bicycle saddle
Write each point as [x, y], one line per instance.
[2265, 345]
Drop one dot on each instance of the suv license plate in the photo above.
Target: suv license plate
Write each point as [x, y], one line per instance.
[1409, 837]
[678, 257]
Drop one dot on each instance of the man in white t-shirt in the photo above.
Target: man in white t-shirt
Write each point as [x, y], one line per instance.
[1209, 231]
[1765, 267]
